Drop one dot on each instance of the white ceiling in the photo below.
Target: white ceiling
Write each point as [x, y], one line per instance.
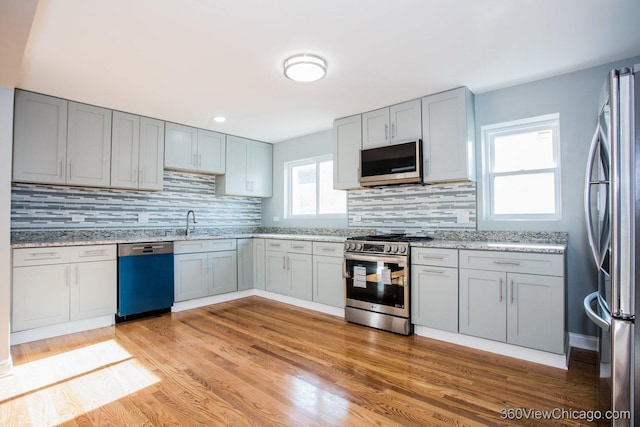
[189, 60]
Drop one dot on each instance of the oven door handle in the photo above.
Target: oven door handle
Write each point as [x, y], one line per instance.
[400, 260]
[345, 274]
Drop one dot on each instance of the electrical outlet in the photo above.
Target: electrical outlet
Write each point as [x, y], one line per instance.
[77, 218]
[276, 218]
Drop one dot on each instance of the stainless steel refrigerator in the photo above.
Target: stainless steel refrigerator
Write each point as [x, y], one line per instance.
[612, 211]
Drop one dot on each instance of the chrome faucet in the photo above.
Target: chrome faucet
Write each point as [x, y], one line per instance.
[194, 220]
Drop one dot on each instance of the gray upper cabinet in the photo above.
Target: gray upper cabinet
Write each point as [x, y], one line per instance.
[61, 142]
[249, 169]
[195, 150]
[40, 138]
[347, 142]
[137, 149]
[397, 123]
[448, 131]
[88, 145]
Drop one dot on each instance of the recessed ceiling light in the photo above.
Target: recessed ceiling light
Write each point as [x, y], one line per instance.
[220, 119]
[305, 68]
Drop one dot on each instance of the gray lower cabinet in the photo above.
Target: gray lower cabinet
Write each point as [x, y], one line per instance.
[204, 267]
[518, 298]
[245, 264]
[61, 284]
[289, 267]
[328, 285]
[434, 288]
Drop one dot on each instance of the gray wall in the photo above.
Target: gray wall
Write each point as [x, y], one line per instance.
[575, 97]
[317, 144]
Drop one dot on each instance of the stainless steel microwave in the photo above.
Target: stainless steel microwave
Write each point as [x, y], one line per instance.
[391, 164]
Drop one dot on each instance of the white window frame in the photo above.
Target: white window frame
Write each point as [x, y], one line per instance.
[288, 187]
[489, 132]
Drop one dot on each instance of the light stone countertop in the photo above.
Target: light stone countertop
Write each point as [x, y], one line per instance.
[553, 248]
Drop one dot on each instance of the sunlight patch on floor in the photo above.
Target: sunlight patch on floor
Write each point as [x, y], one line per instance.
[61, 387]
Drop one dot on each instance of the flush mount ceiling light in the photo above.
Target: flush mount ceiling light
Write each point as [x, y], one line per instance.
[305, 68]
[220, 119]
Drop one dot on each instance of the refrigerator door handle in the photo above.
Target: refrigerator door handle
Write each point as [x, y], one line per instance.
[604, 323]
[596, 250]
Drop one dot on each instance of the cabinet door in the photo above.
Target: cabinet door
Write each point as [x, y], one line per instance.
[260, 175]
[40, 296]
[300, 269]
[180, 147]
[448, 136]
[88, 145]
[434, 297]
[125, 144]
[235, 181]
[328, 285]
[375, 128]
[347, 142]
[211, 152]
[93, 289]
[483, 310]
[535, 311]
[245, 264]
[276, 277]
[223, 272]
[151, 158]
[406, 121]
[259, 267]
[190, 276]
[39, 138]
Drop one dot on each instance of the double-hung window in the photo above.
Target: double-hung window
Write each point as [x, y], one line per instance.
[521, 165]
[310, 189]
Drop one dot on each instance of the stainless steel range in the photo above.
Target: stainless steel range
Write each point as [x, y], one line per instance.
[376, 279]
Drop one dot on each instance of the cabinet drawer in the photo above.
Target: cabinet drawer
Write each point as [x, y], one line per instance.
[434, 256]
[297, 246]
[93, 253]
[513, 262]
[328, 249]
[41, 256]
[190, 246]
[221, 245]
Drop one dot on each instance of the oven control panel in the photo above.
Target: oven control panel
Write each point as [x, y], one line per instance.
[392, 248]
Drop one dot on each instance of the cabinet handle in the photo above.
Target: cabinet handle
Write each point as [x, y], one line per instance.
[284, 262]
[297, 246]
[70, 163]
[507, 262]
[288, 263]
[92, 252]
[511, 289]
[42, 254]
[386, 131]
[393, 130]
[199, 161]
[328, 249]
[61, 168]
[500, 289]
[428, 270]
[432, 256]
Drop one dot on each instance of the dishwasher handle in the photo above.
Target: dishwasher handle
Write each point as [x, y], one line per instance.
[138, 249]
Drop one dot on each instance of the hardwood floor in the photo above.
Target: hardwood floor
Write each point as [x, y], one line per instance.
[258, 362]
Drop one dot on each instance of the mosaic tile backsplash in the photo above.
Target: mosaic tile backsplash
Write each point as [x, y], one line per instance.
[414, 209]
[35, 206]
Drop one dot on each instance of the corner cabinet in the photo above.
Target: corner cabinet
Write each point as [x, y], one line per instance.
[61, 142]
[137, 152]
[448, 134]
[60, 284]
[194, 150]
[347, 142]
[434, 288]
[249, 169]
[397, 123]
[204, 267]
[514, 297]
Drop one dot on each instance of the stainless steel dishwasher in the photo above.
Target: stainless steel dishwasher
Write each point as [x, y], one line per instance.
[145, 279]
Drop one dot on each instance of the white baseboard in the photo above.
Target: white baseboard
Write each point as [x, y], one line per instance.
[531, 355]
[586, 342]
[323, 308]
[215, 299]
[61, 329]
